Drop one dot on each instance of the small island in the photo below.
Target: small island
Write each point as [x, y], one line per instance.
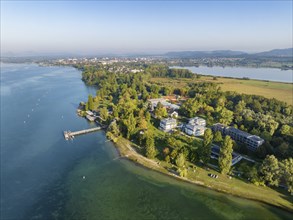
[234, 143]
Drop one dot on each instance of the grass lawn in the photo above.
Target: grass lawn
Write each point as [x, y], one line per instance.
[241, 188]
[277, 90]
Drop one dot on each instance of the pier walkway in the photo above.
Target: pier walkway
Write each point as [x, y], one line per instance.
[70, 135]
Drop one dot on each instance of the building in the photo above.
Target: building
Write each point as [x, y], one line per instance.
[197, 121]
[90, 118]
[195, 126]
[90, 113]
[218, 127]
[168, 105]
[252, 141]
[173, 114]
[154, 102]
[168, 124]
[216, 151]
[195, 130]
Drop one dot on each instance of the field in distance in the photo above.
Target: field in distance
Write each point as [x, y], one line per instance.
[268, 89]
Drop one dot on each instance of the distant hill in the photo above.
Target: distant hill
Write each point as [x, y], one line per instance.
[277, 53]
[229, 53]
[197, 54]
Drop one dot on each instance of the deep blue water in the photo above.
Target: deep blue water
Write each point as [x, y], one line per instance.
[37, 104]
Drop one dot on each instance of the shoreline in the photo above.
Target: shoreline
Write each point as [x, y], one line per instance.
[237, 187]
[127, 152]
[232, 77]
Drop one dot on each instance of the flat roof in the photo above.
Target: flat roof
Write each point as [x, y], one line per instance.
[196, 118]
[157, 100]
[255, 138]
[219, 125]
[192, 126]
[168, 120]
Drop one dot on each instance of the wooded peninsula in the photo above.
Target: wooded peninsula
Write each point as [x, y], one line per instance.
[240, 144]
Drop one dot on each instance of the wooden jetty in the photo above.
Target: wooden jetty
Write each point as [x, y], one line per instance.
[70, 135]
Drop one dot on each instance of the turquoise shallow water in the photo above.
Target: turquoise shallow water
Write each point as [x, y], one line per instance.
[42, 174]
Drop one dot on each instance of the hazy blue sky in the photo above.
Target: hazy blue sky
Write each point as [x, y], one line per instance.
[89, 27]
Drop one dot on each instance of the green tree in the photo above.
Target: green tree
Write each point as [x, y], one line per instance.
[160, 111]
[204, 150]
[270, 170]
[104, 113]
[155, 88]
[115, 112]
[240, 106]
[251, 173]
[175, 143]
[97, 99]
[147, 116]
[86, 107]
[151, 151]
[282, 151]
[288, 111]
[287, 173]
[285, 129]
[226, 116]
[190, 108]
[130, 125]
[253, 176]
[167, 90]
[167, 159]
[90, 102]
[218, 137]
[113, 132]
[142, 123]
[225, 156]
[273, 125]
[266, 135]
[180, 160]
[220, 101]
[174, 154]
[182, 172]
[261, 151]
[255, 131]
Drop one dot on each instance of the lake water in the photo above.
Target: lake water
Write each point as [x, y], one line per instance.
[42, 174]
[271, 74]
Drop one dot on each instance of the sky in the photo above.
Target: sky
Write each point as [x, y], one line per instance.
[147, 27]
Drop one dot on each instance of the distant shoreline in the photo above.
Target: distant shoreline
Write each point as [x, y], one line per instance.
[233, 77]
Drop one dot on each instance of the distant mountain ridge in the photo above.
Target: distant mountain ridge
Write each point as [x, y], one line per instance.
[288, 52]
[214, 53]
[277, 53]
